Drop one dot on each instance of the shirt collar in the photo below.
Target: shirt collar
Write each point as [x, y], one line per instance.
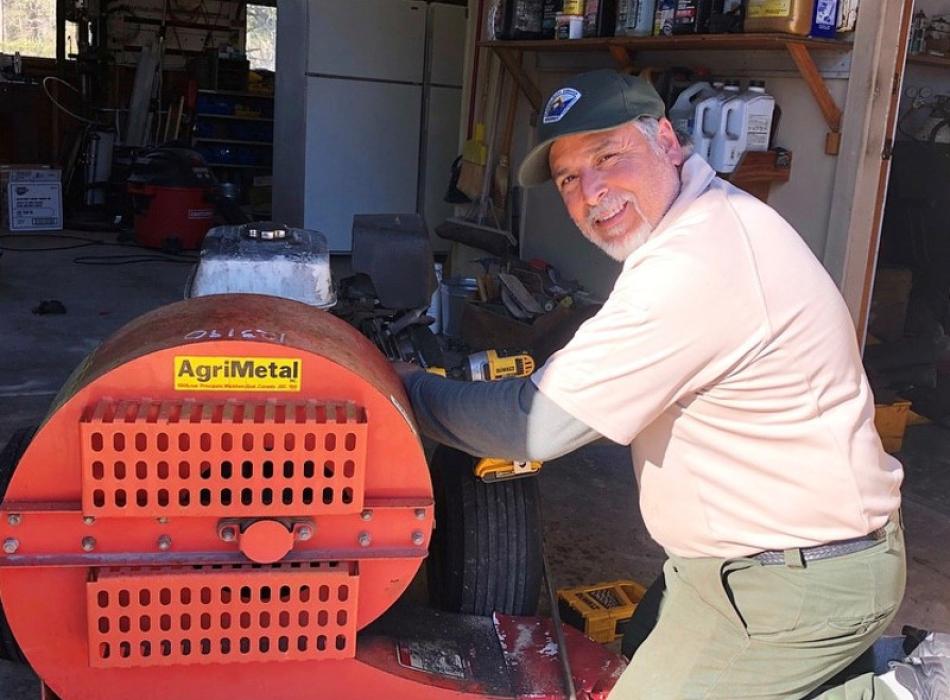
[695, 178]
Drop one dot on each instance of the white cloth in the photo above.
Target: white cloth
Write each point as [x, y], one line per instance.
[727, 357]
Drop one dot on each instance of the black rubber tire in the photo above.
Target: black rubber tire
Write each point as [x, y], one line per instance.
[485, 555]
[9, 649]
[644, 618]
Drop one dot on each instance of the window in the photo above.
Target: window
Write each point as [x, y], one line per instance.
[28, 26]
[261, 41]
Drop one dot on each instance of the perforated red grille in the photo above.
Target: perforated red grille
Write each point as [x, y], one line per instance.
[150, 458]
[221, 614]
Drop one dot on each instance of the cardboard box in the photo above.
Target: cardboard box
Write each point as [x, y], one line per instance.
[891, 423]
[32, 198]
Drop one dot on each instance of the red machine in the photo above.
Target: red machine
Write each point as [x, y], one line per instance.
[226, 501]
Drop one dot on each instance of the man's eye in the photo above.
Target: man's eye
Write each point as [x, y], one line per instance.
[606, 157]
[567, 180]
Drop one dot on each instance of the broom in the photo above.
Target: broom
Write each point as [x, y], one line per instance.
[475, 229]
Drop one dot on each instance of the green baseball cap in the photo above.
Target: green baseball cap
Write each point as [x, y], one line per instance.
[594, 101]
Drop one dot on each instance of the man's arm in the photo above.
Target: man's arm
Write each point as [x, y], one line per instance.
[509, 419]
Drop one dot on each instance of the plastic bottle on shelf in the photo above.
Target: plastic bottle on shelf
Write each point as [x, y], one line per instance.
[785, 16]
[522, 19]
[758, 116]
[663, 17]
[599, 18]
[692, 16]
[825, 19]
[709, 117]
[549, 11]
[683, 112]
[728, 145]
[635, 17]
[746, 125]
[707, 100]
[572, 7]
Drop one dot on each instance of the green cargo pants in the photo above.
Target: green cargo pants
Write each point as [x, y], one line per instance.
[736, 628]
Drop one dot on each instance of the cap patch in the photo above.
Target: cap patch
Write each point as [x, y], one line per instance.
[559, 104]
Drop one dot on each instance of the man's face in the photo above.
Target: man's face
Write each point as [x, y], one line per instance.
[617, 184]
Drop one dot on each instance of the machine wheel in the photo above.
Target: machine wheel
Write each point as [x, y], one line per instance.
[9, 649]
[485, 555]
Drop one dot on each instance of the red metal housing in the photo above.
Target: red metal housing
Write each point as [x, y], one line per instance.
[173, 514]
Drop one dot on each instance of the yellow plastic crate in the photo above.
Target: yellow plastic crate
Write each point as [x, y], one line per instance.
[600, 611]
[891, 422]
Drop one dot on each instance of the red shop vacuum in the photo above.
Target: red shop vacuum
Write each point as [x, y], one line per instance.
[174, 198]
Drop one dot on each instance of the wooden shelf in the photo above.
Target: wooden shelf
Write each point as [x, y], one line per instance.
[624, 49]
[925, 59]
[758, 171]
[691, 42]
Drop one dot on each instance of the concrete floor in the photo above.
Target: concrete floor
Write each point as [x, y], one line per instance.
[592, 524]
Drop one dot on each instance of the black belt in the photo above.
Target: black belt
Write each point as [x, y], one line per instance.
[826, 551]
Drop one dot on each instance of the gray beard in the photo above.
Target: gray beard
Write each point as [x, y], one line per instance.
[618, 248]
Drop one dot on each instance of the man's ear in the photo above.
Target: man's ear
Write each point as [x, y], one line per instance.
[670, 143]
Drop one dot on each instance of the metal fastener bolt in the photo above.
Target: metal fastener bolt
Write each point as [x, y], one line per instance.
[163, 520]
[88, 544]
[418, 538]
[88, 520]
[14, 519]
[420, 513]
[11, 545]
[364, 539]
[304, 533]
[164, 543]
[228, 534]
[367, 515]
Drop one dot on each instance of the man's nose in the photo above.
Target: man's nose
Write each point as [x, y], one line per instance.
[592, 187]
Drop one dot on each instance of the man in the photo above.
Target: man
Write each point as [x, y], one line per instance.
[726, 358]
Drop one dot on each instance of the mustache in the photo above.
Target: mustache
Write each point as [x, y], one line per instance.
[610, 204]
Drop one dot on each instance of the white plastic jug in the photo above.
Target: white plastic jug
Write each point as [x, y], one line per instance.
[635, 17]
[728, 144]
[759, 109]
[709, 118]
[683, 112]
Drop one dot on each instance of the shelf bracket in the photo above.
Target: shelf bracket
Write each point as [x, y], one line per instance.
[819, 90]
[623, 57]
[511, 59]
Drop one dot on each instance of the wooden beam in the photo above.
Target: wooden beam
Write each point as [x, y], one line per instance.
[874, 246]
[826, 103]
[511, 59]
[854, 223]
[622, 56]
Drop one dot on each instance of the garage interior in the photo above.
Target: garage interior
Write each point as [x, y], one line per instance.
[311, 113]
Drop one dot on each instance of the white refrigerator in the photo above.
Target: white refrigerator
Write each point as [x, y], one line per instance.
[367, 111]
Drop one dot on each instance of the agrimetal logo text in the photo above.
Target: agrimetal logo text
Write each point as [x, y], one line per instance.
[196, 373]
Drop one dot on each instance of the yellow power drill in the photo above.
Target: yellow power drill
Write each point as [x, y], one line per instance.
[488, 366]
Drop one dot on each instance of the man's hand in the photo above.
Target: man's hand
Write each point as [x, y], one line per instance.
[405, 369]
